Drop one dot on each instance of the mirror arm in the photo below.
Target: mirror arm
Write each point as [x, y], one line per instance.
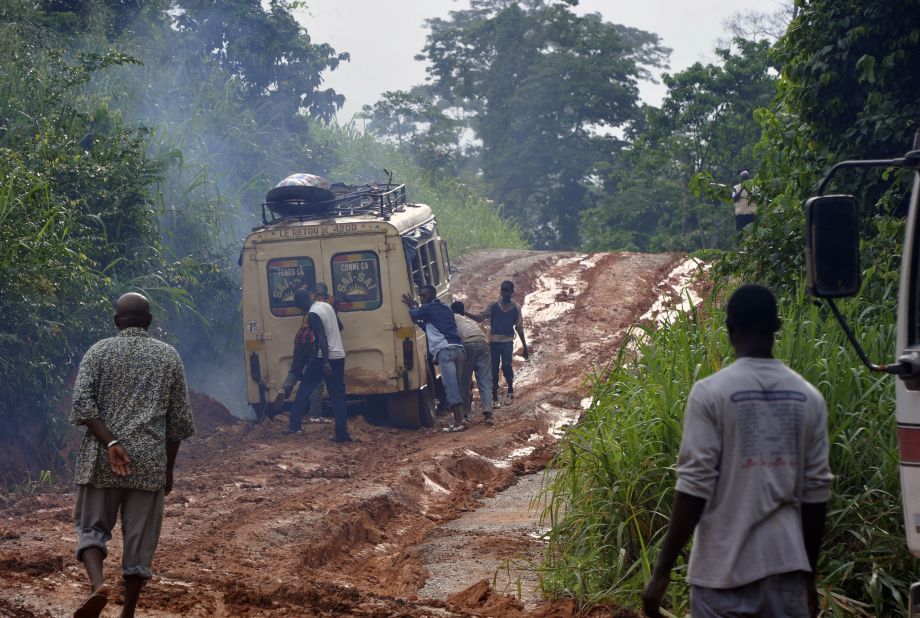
[911, 159]
[897, 368]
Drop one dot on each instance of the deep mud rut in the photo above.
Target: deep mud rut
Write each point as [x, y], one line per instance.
[400, 523]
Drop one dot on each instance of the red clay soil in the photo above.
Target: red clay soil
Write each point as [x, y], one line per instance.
[263, 524]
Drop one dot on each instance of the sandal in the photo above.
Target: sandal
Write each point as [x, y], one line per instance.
[94, 603]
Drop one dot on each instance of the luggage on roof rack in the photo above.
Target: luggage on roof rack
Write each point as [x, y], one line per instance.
[299, 194]
[312, 197]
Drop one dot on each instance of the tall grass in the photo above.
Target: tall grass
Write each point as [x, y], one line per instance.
[609, 488]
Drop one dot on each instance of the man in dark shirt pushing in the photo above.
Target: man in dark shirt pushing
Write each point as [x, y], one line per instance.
[444, 345]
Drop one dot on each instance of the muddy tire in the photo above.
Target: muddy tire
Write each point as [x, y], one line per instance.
[427, 406]
[403, 410]
[261, 412]
[412, 409]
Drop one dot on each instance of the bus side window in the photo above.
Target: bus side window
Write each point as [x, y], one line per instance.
[433, 263]
[445, 258]
[423, 260]
[425, 268]
[417, 269]
[428, 259]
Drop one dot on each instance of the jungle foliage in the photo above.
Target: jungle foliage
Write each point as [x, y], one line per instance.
[848, 89]
[705, 126]
[76, 223]
[542, 104]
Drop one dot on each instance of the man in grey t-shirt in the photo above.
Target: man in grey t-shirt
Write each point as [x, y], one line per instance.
[752, 479]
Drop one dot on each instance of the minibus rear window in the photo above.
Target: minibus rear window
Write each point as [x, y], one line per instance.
[286, 276]
[356, 281]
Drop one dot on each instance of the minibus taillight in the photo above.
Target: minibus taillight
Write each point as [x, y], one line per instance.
[408, 358]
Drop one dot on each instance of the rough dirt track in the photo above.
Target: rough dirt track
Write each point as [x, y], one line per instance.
[396, 524]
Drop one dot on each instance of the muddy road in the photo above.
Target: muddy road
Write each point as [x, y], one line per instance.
[399, 523]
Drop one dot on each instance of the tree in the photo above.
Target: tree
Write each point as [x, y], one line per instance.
[542, 89]
[77, 223]
[417, 123]
[267, 49]
[757, 25]
[848, 89]
[117, 176]
[706, 124]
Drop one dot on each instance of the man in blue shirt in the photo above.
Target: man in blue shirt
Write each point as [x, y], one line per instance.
[444, 345]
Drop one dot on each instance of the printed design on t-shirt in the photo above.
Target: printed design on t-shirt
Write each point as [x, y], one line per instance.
[305, 335]
[768, 426]
[768, 396]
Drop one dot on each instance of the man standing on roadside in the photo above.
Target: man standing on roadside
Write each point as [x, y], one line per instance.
[505, 318]
[444, 345]
[131, 396]
[745, 208]
[752, 479]
[327, 361]
[476, 349]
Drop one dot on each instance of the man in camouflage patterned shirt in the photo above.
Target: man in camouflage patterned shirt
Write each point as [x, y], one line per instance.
[132, 398]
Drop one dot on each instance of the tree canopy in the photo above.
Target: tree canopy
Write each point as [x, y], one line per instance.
[705, 125]
[848, 89]
[540, 87]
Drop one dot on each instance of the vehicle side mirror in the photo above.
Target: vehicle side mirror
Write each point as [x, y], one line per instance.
[832, 246]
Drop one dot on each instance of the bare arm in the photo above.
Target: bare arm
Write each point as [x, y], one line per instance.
[813, 516]
[520, 332]
[685, 515]
[172, 449]
[519, 327]
[320, 334]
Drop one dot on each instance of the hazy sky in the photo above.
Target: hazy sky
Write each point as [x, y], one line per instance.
[383, 37]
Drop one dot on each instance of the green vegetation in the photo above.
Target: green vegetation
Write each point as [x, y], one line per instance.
[848, 89]
[467, 219]
[75, 226]
[705, 130]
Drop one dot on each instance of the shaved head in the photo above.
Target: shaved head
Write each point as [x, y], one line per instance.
[132, 309]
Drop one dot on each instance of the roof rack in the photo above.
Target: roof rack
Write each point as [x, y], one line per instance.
[370, 199]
